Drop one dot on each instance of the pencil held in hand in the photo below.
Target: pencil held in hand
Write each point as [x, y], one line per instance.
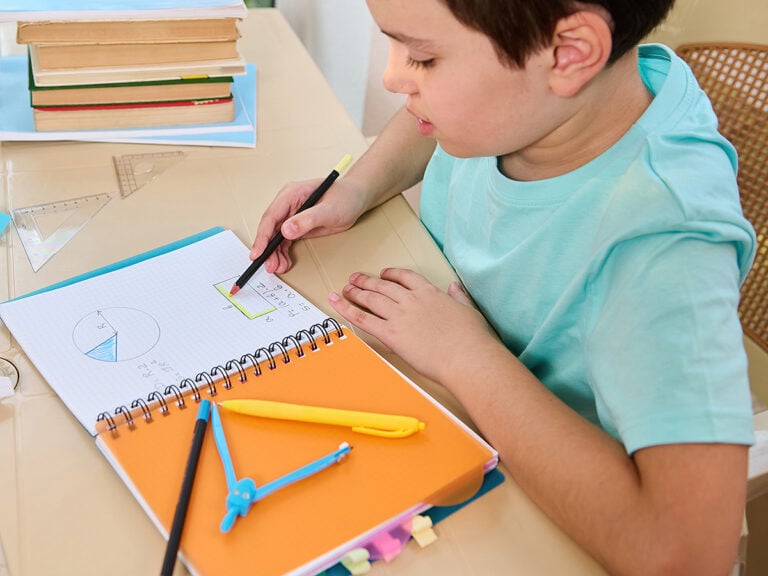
[277, 240]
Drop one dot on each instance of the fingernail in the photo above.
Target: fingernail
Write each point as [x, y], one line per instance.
[291, 228]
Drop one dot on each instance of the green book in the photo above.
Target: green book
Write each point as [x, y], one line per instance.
[192, 88]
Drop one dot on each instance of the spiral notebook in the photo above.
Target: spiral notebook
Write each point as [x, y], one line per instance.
[131, 350]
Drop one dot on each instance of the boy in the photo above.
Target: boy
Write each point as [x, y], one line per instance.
[579, 187]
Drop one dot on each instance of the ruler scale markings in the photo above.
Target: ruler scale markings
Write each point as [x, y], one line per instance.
[135, 170]
[41, 247]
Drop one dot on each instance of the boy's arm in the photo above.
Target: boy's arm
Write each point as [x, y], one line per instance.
[395, 161]
[674, 509]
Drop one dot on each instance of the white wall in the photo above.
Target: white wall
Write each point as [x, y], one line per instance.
[380, 104]
[337, 34]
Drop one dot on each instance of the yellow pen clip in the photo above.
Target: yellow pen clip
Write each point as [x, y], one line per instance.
[398, 433]
[386, 425]
[371, 423]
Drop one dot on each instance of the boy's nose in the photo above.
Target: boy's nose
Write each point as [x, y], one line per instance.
[397, 75]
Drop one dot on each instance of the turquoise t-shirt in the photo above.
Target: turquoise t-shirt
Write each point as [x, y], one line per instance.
[617, 284]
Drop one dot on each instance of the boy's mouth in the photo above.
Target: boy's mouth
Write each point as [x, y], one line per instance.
[424, 126]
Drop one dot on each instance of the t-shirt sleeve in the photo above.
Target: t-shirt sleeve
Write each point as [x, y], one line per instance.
[665, 348]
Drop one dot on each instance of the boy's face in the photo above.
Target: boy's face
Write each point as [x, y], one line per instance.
[456, 87]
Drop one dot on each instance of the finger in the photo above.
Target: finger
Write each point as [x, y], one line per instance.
[292, 228]
[407, 278]
[456, 291]
[279, 262]
[284, 258]
[314, 221]
[268, 227]
[392, 290]
[354, 315]
[374, 302]
[258, 247]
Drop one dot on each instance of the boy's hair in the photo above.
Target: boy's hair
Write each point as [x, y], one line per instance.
[518, 28]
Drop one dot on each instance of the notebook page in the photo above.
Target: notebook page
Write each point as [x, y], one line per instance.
[107, 340]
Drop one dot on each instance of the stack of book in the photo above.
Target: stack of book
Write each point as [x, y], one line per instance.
[129, 72]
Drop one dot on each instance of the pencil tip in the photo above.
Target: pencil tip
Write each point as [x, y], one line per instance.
[234, 290]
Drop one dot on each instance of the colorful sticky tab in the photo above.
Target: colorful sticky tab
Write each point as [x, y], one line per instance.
[385, 546]
[357, 561]
[421, 531]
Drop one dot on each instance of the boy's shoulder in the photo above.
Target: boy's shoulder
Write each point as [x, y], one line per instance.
[683, 148]
[680, 108]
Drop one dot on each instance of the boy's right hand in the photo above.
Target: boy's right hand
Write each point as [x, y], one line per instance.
[336, 211]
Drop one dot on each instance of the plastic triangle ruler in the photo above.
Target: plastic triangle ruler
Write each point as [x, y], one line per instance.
[135, 170]
[45, 228]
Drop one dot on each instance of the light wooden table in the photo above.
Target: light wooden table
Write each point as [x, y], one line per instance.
[63, 510]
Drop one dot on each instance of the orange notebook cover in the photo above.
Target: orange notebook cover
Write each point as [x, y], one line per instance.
[308, 526]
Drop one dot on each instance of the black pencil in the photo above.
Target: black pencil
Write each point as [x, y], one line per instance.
[275, 242]
[186, 489]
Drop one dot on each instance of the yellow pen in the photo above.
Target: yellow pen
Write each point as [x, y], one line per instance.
[385, 425]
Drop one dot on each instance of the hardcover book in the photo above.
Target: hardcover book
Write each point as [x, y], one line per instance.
[119, 31]
[127, 92]
[138, 73]
[97, 55]
[140, 115]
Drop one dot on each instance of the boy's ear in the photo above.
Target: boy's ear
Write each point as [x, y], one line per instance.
[581, 46]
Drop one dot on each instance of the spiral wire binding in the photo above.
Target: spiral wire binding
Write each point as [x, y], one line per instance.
[268, 354]
[187, 382]
[175, 390]
[207, 380]
[155, 396]
[141, 403]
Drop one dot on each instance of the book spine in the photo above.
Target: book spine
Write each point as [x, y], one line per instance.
[131, 106]
[127, 30]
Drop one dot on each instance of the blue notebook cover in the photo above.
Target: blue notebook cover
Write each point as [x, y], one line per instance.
[129, 261]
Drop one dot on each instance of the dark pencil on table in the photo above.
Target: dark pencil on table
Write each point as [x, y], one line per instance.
[275, 242]
[174, 539]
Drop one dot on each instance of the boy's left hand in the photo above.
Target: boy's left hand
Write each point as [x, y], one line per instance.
[426, 327]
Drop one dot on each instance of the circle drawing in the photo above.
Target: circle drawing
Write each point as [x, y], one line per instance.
[116, 334]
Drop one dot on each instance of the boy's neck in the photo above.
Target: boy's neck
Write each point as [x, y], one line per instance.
[595, 120]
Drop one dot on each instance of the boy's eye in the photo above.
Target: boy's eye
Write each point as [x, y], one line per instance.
[420, 63]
